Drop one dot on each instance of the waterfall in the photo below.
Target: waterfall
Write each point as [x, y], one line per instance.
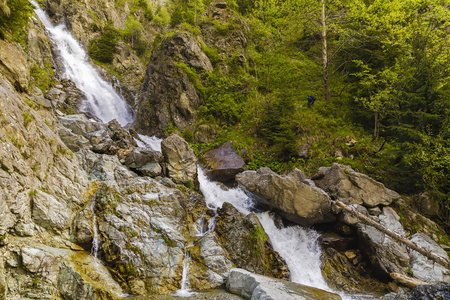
[95, 239]
[151, 142]
[102, 100]
[184, 291]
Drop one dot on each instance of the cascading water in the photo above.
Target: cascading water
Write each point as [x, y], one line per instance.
[151, 142]
[95, 239]
[102, 100]
[185, 291]
[298, 246]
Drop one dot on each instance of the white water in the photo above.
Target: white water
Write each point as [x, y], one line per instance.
[95, 240]
[185, 291]
[297, 245]
[102, 100]
[151, 142]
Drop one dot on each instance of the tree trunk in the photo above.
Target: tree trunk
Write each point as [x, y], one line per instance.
[376, 129]
[408, 281]
[326, 81]
[440, 260]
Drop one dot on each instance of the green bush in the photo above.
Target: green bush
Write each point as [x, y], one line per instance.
[148, 13]
[103, 48]
[14, 17]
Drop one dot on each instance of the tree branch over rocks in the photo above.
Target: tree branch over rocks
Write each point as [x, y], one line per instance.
[440, 260]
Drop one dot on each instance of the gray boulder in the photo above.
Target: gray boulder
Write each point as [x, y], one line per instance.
[385, 255]
[257, 287]
[48, 212]
[73, 141]
[179, 160]
[223, 163]
[423, 268]
[295, 200]
[350, 187]
[144, 160]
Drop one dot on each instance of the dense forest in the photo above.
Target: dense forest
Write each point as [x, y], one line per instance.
[379, 71]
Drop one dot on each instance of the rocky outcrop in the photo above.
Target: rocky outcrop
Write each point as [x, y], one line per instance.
[424, 292]
[13, 65]
[179, 160]
[247, 244]
[424, 269]
[385, 255]
[257, 287]
[294, 199]
[145, 161]
[344, 184]
[167, 94]
[223, 163]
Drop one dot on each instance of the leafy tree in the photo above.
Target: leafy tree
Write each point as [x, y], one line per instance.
[103, 48]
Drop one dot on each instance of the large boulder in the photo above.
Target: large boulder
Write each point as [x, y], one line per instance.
[179, 160]
[295, 200]
[13, 65]
[223, 163]
[385, 255]
[247, 244]
[167, 95]
[344, 184]
[257, 287]
[424, 268]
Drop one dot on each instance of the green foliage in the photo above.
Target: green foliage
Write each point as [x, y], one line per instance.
[14, 18]
[188, 136]
[103, 48]
[133, 33]
[145, 5]
[43, 77]
[162, 16]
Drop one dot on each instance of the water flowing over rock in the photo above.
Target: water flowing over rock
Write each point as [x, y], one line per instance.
[257, 287]
[295, 200]
[344, 184]
[247, 244]
[385, 254]
[179, 160]
[223, 163]
[424, 269]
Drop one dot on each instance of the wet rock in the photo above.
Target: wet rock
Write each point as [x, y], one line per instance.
[83, 228]
[48, 212]
[295, 200]
[13, 65]
[424, 268]
[120, 135]
[342, 274]
[333, 240]
[385, 255]
[247, 244]
[223, 163]
[350, 187]
[72, 286]
[257, 287]
[179, 160]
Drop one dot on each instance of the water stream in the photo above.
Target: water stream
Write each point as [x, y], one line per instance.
[95, 239]
[185, 291]
[102, 99]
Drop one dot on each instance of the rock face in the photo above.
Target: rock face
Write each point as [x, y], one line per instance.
[257, 287]
[295, 200]
[13, 65]
[344, 184]
[385, 255]
[167, 95]
[422, 267]
[179, 160]
[223, 163]
[247, 244]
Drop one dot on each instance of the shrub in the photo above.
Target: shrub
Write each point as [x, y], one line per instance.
[103, 48]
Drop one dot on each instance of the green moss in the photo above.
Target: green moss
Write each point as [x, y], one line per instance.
[42, 77]
[168, 241]
[27, 117]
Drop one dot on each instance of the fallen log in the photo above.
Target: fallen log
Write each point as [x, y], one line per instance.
[406, 280]
[440, 260]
